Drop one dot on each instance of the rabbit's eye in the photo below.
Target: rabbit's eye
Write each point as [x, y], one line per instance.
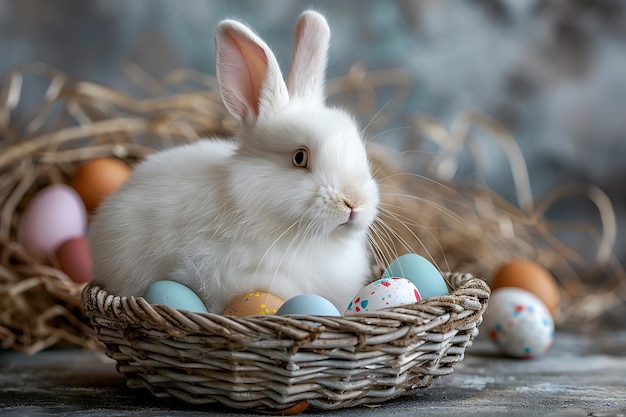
[300, 158]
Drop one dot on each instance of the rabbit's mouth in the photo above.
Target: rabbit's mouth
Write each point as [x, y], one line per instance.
[352, 220]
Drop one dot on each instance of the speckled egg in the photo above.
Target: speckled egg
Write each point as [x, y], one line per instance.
[308, 305]
[55, 215]
[518, 323]
[421, 272]
[384, 293]
[174, 294]
[257, 303]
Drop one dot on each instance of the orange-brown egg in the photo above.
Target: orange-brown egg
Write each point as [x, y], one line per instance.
[291, 411]
[94, 180]
[531, 277]
[254, 304]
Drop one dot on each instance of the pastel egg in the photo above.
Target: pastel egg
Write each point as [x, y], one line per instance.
[518, 323]
[531, 277]
[74, 259]
[308, 305]
[55, 215]
[174, 294]
[96, 179]
[384, 293]
[254, 304]
[421, 272]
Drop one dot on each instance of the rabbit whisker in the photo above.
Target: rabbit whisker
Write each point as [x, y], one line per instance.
[383, 245]
[405, 223]
[296, 237]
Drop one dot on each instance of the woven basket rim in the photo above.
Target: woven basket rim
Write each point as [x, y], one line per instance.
[468, 293]
[276, 362]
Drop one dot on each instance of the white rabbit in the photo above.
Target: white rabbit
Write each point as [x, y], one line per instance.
[284, 208]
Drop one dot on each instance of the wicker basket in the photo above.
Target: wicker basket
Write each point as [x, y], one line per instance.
[274, 362]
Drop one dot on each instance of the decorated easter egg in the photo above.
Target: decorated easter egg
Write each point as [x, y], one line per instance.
[421, 272]
[518, 323]
[174, 294]
[308, 305]
[55, 215]
[74, 259]
[254, 304]
[94, 180]
[384, 293]
[531, 277]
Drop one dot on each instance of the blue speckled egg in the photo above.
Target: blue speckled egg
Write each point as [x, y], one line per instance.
[308, 305]
[174, 294]
[421, 272]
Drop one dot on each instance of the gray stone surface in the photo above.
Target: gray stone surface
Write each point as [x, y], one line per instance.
[583, 375]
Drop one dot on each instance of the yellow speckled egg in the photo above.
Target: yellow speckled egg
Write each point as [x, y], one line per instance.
[254, 304]
[531, 277]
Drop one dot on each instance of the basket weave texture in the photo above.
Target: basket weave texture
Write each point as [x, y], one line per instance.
[279, 361]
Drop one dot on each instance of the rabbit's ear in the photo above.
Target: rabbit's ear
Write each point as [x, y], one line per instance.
[248, 75]
[310, 55]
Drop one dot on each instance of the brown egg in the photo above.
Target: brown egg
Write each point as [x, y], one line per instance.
[254, 304]
[291, 411]
[531, 277]
[94, 180]
[74, 259]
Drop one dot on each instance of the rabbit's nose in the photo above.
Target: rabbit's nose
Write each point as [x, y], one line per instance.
[349, 203]
[352, 207]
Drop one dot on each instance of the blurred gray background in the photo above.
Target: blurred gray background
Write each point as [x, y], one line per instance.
[552, 72]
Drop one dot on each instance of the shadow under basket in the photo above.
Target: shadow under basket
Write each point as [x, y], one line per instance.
[276, 362]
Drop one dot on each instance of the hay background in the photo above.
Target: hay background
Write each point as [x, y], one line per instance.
[462, 228]
[550, 72]
[546, 75]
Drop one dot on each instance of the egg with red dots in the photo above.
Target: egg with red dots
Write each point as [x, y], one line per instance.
[384, 293]
[518, 323]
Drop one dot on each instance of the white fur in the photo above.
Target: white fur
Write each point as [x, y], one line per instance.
[227, 218]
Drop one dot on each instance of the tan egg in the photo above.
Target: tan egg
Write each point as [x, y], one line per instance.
[254, 304]
[96, 179]
[531, 277]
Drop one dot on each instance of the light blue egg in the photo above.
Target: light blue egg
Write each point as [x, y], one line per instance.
[308, 305]
[174, 294]
[421, 272]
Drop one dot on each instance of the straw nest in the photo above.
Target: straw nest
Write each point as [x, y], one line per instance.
[469, 229]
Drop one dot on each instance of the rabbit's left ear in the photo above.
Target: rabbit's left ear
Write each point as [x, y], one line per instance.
[306, 78]
[248, 75]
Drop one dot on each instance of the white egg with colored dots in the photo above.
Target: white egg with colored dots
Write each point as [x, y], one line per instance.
[384, 293]
[421, 272]
[174, 294]
[518, 323]
[308, 305]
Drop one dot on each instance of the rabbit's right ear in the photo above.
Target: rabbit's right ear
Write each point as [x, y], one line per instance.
[307, 75]
[248, 74]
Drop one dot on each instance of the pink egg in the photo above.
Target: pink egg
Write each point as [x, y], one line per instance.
[55, 215]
